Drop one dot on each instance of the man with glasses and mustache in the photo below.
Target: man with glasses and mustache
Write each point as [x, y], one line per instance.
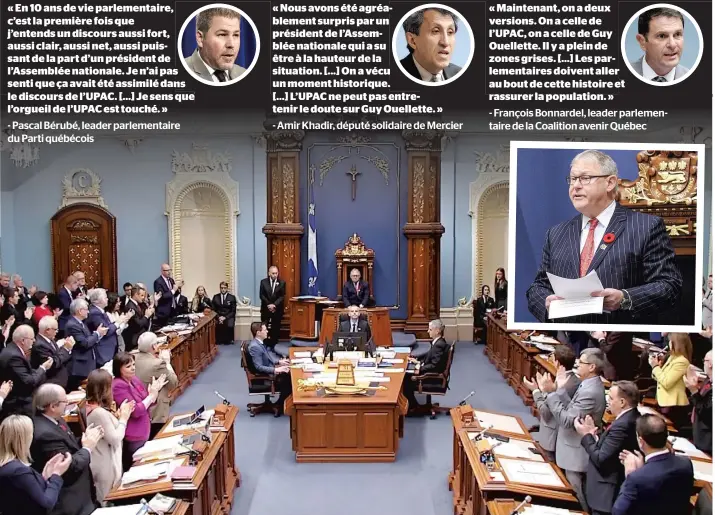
[660, 36]
[630, 251]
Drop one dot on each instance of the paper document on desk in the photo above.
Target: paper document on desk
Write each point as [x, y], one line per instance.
[530, 472]
[537, 509]
[683, 446]
[576, 296]
[702, 470]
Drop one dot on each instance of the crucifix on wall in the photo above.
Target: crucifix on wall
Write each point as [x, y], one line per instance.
[353, 173]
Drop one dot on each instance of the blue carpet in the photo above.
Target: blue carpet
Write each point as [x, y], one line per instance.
[416, 483]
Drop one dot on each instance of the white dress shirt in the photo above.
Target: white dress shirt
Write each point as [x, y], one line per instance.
[427, 76]
[656, 453]
[649, 73]
[603, 220]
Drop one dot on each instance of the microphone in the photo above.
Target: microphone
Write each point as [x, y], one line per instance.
[523, 503]
[464, 401]
[223, 399]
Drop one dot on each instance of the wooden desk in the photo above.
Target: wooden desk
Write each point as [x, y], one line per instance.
[472, 486]
[378, 318]
[192, 353]
[343, 428]
[506, 506]
[302, 316]
[214, 481]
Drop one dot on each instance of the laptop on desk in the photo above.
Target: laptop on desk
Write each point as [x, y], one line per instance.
[189, 419]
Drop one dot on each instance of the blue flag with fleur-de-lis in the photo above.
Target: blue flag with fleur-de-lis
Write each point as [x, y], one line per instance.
[312, 247]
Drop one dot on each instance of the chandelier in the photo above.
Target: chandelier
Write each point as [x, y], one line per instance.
[22, 153]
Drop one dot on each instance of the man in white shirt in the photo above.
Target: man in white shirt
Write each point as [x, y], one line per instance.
[431, 35]
[218, 40]
[630, 251]
[660, 36]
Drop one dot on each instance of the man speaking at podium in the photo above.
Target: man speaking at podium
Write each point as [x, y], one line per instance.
[355, 291]
[630, 251]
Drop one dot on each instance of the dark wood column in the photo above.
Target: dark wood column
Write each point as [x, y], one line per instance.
[423, 228]
[284, 230]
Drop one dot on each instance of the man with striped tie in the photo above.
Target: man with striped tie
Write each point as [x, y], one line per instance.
[630, 251]
[660, 36]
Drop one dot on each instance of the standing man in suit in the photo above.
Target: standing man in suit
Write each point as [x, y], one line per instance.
[701, 398]
[46, 347]
[10, 309]
[84, 353]
[354, 325]
[657, 479]
[272, 293]
[51, 437]
[435, 362]
[218, 40]
[589, 399]
[168, 288]
[25, 294]
[139, 318]
[65, 297]
[660, 36]
[224, 304]
[708, 304]
[266, 363]
[636, 263]
[15, 366]
[548, 426]
[124, 299]
[150, 363]
[431, 36]
[109, 343]
[355, 291]
[604, 474]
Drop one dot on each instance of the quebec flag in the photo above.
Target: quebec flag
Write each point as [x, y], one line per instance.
[312, 248]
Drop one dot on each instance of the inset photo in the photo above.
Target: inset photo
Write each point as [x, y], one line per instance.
[662, 45]
[607, 236]
[433, 45]
[219, 44]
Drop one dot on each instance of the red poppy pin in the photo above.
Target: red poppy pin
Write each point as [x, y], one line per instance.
[609, 237]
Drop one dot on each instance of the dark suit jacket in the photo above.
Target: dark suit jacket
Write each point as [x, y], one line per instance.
[163, 306]
[6, 311]
[25, 299]
[80, 289]
[272, 297]
[702, 402]
[409, 65]
[107, 346]
[15, 367]
[362, 327]
[136, 325]
[65, 298]
[43, 349]
[122, 303]
[226, 309]
[480, 310]
[84, 352]
[641, 260]
[662, 485]
[182, 305]
[352, 298]
[24, 490]
[435, 361]
[77, 496]
[604, 474]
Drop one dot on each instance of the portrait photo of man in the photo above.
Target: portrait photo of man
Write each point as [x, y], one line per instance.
[218, 45]
[435, 52]
[662, 46]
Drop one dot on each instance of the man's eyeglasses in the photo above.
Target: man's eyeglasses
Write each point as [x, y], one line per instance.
[584, 179]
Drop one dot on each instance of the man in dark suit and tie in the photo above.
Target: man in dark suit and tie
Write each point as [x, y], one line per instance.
[81, 288]
[167, 287]
[25, 294]
[431, 35]
[65, 297]
[269, 364]
[15, 366]
[84, 353]
[124, 299]
[630, 251]
[10, 309]
[354, 325]
[139, 318]
[355, 291]
[272, 293]
[97, 317]
[52, 436]
[224, 304]
[45, 347]
[658, 480]
[604, 474]
[435, 361]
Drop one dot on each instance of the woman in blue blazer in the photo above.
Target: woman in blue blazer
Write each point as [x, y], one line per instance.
[22, 489]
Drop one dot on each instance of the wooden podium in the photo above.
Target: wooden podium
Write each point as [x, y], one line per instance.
[378, 318]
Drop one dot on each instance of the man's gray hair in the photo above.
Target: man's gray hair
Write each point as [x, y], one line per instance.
[78, 304]
[96, 294]
[606, 162]
[437, 324]
[595, 357]
[16, 277]
[47, 322]
[415, 20]
[46, 395]
[5, 274]
[146, 342]
[22, 332]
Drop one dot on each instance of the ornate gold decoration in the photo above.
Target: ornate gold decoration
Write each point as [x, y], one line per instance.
[432, 293]
[83, 225]
[678, 230]
[418, 195]
[382, 166]
[283, 140]
[288, 192]
[354, 247]
[422, 140]
[201, 160]
[84, 239]
[489, 163]
[86, 258]
[82, 185]
[664, 177]
[432, 193]
[462, 302]
[353, 140]
[328, 164]
[275, 192]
